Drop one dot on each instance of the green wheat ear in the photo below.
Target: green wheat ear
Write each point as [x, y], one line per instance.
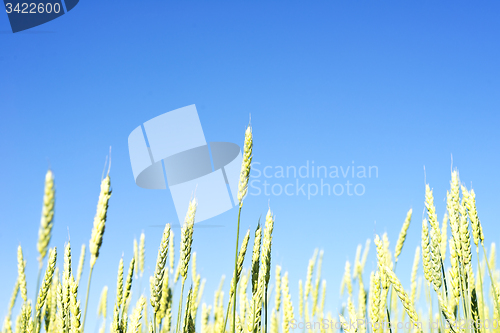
[46, 222]
[403, 296]
[80, 264]
[21, 267]
[103, 303]
[402, 235]
[158, 277]
[245, 165]
[241, 258]
[100, 220]
[142, 252]
[47, 281]
[97, 234]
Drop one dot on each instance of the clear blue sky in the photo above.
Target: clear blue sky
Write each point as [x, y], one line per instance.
[395, 84]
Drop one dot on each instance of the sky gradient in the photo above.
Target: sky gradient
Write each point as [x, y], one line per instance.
[396, 85]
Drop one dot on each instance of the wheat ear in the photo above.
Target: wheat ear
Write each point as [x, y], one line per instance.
[414, 270]
[403, 296]
[301, 299]
[103, 303]
[135, 320]
[245, 165]
[21, 266]
[47, 281]
[364, 257]
[80, 264]
[128, 287]
[119, 284]
[431, 211]
[426, 252]
[142, 252]
[100, 220]
[256, 258]
[310, 268]
[97, 233]
[454, 272]
[402, 235]
[171, 252]
[287, 304]
[264, 272]
[374, 297]
[241, 259]
[7, 328]
[75, 308]
[242, 192]
[235, 279]
[46, 223]
[66, 281]
[444, 236]
[165, 296]
[347, 280]
[277, 299]
[315, 293]
[158, 277]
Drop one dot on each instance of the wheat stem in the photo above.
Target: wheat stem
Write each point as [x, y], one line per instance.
[236, 268]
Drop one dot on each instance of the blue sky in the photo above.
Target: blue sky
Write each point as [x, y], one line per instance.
[396, 85]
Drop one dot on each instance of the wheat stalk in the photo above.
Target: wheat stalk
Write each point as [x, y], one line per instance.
[235, 279]
[46, 222]
[264, 271]
[185, 251]
[242, 192]
[97, 233]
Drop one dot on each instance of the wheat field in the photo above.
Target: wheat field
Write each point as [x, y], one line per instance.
[460, 294]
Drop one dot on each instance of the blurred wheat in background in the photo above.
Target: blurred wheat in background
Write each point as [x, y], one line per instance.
[460, 297]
